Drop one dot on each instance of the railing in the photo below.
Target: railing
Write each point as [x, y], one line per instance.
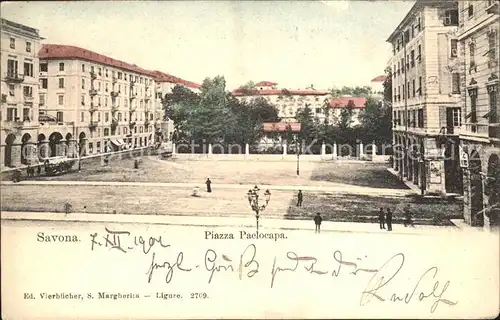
[93, 107]
[492, 7]
[14, 77]
[132, 108]
[12, 124]
[114, 79]
[92, 125]
[28, 98]
[93, 75]
[132, 83]
[480, 130]
[114, 93]
[93, 92]
[131, 124]
[133, 95]
[115, 108]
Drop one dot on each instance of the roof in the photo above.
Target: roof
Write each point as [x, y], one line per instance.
[25, 30]
[165, 77]
[281, 126]
[379, 79]
[341, 102]
[266, 84]
[58, 51]
[271, 92]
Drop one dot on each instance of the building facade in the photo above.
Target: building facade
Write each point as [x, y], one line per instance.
[91, 103]
[478, 37]
[287, 101]
[19, 88]
[426, 94]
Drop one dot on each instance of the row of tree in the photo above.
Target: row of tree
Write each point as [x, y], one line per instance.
[216, 116]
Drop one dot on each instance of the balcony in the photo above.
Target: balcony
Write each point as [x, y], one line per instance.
[93, 92]
[93, 75]
[14, 77]
[115, 93]
[492, 7]
[115, 109]
[132, 84]
[147, 96]
[93, 107]
[28, 98]
[133, 96]
[131, 124]
[114, 123]
[132, 108]
[114, 80]
[475, 131]
[13, 124]
[92, 125]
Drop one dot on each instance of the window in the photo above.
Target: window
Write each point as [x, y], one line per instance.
[120, 75]
[42, 99]
[470, 10]
[106, 87]
[419, 27]
[12, 67]
[492, 52]
[106, 132]
[419, 86]
[106, 72]
[43, 67]
[61, 66]
[61, 83]
[99, 101]
[412, 58]
[11, 114]
[83, 99]
[413, 81]
[414, 118]
[493, 95]
[12, 43]
[404, 92]
[98, 86]
[119, 116]
[106, 101]
[100, 71]
[419, 53]
[399, 93]
[83, 83]
[399, 67]
[28, 46]
[472, 53]
[106, 116]
[125, 76]
[82, 116]
[125, 130]
[83, 67]
[28, 69]
[456, 117]
[454, 48]
[420, 118]
[28, 91]
[44, 83]
[61, 100]
[59, 116]
[408, 62]
[26, 114]
[98, 142]
[98, 117]
[408, 88]
[455, 83]
[11, 90]
[451, 18]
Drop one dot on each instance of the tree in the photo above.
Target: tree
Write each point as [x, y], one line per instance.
[376, 123]
[250, 85]
[344, 121]
[388, 87]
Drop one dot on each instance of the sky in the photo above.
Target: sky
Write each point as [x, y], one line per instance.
[294, 43]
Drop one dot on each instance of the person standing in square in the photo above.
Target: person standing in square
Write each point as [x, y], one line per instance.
[317, 222]
[300, 197]
[388, 219]
[381, 218]
[209, 185]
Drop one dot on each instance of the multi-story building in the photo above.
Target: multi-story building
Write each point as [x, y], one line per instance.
[287, 101]
[19, 113]
[426, 94]
[478, 36]
[164, 85]
[336, 105]
[91, 103]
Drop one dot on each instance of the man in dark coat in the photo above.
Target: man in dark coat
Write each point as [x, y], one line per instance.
[388, 219]
[381, 218]
[317, 222]
[300, 197]
[209, 183]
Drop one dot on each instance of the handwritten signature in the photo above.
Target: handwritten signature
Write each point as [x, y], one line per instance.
[247, 266]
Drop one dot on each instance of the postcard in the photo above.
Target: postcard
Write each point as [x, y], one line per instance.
[250, 159]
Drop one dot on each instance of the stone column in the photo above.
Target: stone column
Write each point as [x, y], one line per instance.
[71, 151]
[61, 148]
[247, 149]
[15, 155]
[374, 150]
[209, 149]
[323, 149]
[285, 149]
[334, 151]
[29, 152]
[2, 157]
[173, 148]
[360, 149]
[44, 150]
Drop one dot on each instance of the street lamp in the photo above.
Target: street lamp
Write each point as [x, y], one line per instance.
[297, 146]
[253, 200]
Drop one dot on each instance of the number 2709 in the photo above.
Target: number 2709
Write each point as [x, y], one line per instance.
[199, 295]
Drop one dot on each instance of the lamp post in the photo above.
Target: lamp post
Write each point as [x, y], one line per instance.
[298, 147]
[253, 200]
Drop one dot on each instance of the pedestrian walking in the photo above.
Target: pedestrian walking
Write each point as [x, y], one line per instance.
[381, 218]
[317, 222]
[407, 213]
[209, 185]
[300, 197]
[388, 219]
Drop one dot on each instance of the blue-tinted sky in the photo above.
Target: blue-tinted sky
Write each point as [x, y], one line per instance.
[294, 43]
